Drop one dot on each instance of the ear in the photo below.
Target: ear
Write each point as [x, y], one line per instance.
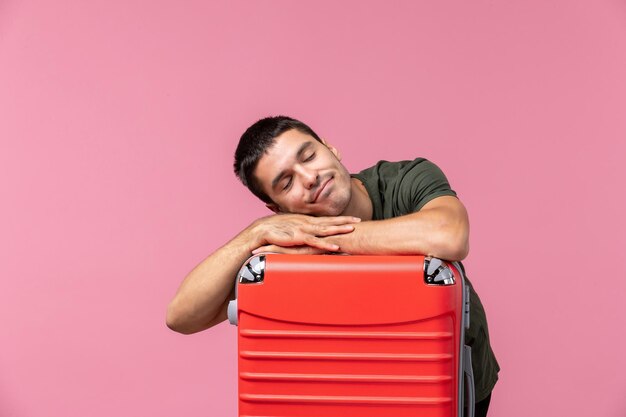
[334, 150]
[273, 207]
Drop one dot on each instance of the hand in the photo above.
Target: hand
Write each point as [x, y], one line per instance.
[292, 250]
[300, 233]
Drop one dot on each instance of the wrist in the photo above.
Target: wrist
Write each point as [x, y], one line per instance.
[354, 242]
[250, 237]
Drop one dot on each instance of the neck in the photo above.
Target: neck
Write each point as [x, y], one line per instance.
[360, 204]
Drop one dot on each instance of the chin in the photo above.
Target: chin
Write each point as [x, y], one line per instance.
[339, 206]
[330, 212]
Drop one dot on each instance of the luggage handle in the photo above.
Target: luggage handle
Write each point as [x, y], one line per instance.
[466, 357]
[469, 379]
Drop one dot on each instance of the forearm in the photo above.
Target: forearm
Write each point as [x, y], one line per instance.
[441, 232]
[199, 302]
[202, 298]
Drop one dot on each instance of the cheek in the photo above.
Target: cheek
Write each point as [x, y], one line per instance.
[294, 197]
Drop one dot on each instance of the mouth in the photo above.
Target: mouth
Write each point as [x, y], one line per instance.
[319, 190]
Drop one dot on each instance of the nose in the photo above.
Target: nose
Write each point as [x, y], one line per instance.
[309, 178]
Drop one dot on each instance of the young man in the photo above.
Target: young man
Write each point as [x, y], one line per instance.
[397, 208]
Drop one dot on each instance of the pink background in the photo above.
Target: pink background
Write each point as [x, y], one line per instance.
[118, 121]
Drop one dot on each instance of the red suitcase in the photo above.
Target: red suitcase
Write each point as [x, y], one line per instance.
[324, 335]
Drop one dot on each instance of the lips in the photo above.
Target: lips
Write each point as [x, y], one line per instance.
[320, 189]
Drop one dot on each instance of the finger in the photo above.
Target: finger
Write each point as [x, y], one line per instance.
[266, 248]
[321, 244]
[336, 220]
[320, 230]
[305, 250]
[302, 250]
[275, 249]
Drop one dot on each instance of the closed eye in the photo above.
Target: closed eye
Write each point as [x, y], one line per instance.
[310, 158]
[288, 184]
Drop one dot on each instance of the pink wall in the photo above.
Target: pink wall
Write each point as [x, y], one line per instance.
[118, 121]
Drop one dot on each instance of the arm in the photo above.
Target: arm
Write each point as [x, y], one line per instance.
[202, 299]
[440, 229]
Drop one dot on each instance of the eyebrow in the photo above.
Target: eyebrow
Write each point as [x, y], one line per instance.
[281, 174]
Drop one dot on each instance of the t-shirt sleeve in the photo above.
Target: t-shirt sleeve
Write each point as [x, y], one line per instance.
[420, 182]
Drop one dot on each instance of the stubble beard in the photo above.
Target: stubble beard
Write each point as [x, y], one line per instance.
[340, 197]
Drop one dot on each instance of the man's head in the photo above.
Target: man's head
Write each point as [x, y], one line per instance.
[288, 166]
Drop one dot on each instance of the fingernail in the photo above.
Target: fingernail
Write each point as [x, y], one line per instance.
[357, 219]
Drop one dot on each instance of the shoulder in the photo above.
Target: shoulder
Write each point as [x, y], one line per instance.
[394, 173]
[402, 187]
[392, 168]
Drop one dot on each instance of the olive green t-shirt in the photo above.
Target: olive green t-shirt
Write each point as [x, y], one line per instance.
[399, 188]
